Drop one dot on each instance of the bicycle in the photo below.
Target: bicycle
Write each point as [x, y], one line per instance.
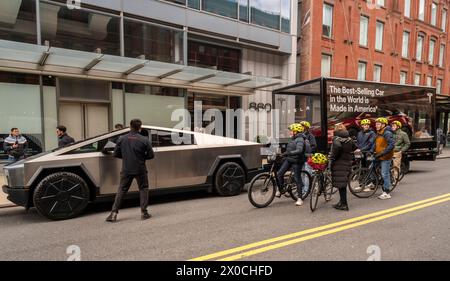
[364, 182]
[321, 185]
[264, 186]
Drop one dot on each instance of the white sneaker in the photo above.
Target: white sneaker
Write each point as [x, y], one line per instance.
[278, 194]
[370, 187]
[299, 202]
[384, 196]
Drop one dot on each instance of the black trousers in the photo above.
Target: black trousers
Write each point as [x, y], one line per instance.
[124, 186]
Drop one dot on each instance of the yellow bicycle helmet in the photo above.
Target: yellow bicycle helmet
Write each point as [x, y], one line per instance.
[366, 122]
[319, 158]
[398, 123]
[296, 127]
[382, 120]
[305, 124]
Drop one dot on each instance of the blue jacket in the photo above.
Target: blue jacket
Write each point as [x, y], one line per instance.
[366, 141]
[295, 149]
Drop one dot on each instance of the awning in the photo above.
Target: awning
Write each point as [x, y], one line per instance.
[31, 58]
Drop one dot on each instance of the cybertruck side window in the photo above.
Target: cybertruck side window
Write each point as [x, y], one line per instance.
[167, 138]
[92, 147]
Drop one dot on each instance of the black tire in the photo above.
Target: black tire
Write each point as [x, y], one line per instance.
[403, 171]
[359, 183]
[395, 178]
[330, 190]
[229, 179]
[262, 184]
[61, 196]
[314, 194]
[305, 176]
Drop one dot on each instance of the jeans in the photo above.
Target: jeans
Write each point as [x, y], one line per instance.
[305, 178]
[386, 174]
[297, 169]
[124, 186]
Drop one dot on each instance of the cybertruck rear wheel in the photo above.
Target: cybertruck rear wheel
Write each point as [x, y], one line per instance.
[61, 196]
[229, 179]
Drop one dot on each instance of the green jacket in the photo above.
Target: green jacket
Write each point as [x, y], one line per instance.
[402, 142]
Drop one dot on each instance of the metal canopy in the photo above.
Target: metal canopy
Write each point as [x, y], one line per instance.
[47, 59]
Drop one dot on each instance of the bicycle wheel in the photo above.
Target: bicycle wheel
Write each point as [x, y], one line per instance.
[362, 183]
[315, 193]
[395, 178]
[262, 190]
[292, 187]
[403, 170]
[329, 189]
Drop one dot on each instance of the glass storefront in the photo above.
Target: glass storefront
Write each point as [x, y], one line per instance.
[18, 21]
[153, 42]
[80, 29]
[20, 107]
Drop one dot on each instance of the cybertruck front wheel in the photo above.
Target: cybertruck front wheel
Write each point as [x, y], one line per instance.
[229, 179]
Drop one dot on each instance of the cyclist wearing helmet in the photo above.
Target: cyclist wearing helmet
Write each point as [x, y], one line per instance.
[402, 143]
[384, 152]
[366, 137]
[295, 158]
[310, 137]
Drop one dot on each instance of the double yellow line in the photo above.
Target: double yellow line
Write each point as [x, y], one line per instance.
[301, 236]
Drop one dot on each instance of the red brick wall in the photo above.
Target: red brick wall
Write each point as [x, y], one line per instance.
[346, 23]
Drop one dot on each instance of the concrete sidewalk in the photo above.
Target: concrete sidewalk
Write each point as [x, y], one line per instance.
[445, 153]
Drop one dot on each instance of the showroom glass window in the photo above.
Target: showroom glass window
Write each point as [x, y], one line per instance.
[18, 21]
[212, 56]
[226, 8]
[153, 42]
[266, 13]
[80, 29]
[286, 16]
[243, 10]
[20, 107]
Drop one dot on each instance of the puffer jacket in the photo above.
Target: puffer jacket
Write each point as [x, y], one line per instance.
[295, 149]
[18, 151]
[384, 144]
[341, 158]
[366, 140]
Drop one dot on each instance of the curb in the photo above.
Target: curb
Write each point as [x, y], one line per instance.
[4, 206]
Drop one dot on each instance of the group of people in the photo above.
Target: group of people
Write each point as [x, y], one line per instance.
[16, 145]
[387, 143]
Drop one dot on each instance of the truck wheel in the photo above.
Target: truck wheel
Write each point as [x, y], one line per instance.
[61, 196]
[229, 179]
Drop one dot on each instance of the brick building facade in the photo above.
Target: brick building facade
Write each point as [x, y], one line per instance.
[395, 41]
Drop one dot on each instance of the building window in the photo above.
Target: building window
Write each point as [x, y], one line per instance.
[265, 13]
[377, 71]
[429, 81]
[431, 51]
[419, 48]
[417, 79]
[80, 29]
[434, 13]
[226, 8]
[286, 16]
[444, 20]
[326, 65]
[363, 31]
[405, 44]
[181, 2]
[195, 4]
[153, 42]
[421, 12]
[441, 55]
[362, 67]
[243, 10]
[18, 21]
[407, 11]
[438, 86]
[403, 76]
[217, 57]
[379, 36]
[380, 3]
[327, 24]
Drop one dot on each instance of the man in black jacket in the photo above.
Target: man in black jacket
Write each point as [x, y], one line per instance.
[134, 149]
[63, 138]
[295, 158]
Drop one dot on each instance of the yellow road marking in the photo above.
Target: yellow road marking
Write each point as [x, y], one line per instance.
[312, 230]
[331, 231]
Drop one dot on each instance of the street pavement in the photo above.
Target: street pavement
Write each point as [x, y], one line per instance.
[196, 225]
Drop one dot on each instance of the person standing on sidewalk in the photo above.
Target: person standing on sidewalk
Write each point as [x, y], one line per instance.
[341, 157]
[63, 138]
[134, 149]
[384, 152]
[15, 146]
[402, 143]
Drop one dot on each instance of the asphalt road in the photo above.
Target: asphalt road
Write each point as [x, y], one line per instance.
[196, 225]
